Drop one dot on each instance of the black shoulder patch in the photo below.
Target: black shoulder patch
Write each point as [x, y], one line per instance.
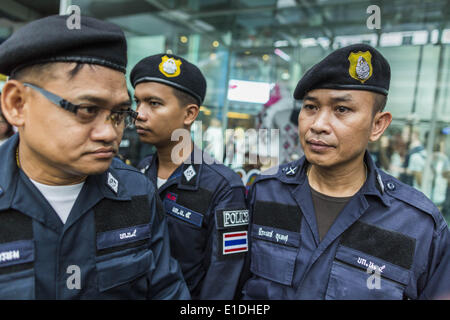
[196, 200]
[159, 208]
[277, 215]
[15, 226]
[16, 242]
[391, 246]
[113, 216]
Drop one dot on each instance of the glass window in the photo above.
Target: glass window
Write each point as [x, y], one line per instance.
[253, 52]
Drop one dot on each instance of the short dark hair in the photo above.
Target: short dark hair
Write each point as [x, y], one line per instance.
[184, 98]
[379, 102]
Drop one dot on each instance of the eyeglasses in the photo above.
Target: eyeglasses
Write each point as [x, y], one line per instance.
[89, 113]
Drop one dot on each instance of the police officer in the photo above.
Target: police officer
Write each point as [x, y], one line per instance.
[204, 201]
[74, 222]
[332, 225]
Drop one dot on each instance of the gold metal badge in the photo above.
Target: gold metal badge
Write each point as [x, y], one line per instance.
[170, 67]
[360, 65]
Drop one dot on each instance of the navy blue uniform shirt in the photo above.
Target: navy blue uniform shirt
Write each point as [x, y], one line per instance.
[208, 220]
[114, 244]
[389, 241]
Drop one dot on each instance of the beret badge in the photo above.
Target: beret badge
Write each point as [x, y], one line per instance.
[360, 65]
[170, 67]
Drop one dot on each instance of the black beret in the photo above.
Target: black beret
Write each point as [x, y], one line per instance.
[171, 70]
[356, 67]
[50, 40]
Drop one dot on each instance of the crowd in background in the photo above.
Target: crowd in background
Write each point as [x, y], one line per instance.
[402, 153]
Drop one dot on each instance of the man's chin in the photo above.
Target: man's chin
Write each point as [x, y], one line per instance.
[95, 167]
[320, 161]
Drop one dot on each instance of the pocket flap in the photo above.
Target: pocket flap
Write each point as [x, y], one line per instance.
[365, 262]
[120, 270]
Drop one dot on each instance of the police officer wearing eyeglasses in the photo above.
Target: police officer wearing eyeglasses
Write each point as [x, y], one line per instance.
[332, 225]
[75, 223]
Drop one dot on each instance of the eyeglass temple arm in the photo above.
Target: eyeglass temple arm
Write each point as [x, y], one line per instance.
[54, 98]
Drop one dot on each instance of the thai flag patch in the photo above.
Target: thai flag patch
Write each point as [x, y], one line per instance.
[235, 242]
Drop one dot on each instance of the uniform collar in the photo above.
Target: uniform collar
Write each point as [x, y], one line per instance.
[110, 183]
[191, 170]
[8, 171]
[295, 173]
[374, 185]
[187, 175]
[106, 185]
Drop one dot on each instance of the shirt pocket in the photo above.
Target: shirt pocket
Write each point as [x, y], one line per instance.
[17, 280]
[273, 253]
[122, 262]
[356, 275]
[124, 269]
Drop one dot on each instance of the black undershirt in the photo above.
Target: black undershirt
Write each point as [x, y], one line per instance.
[326, 209]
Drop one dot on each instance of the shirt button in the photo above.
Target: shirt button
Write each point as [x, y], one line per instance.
[390, 186]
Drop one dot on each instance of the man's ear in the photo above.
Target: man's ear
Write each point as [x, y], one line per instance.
[381, 121]
[191, 113]
[13, 101]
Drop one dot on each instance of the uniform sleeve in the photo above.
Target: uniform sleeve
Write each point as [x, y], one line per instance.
[166, 281]
[438, 284]
[246, 273]
[224, 269]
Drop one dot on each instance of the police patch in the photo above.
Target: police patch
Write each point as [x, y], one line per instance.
[170, 67]
[360, 65]
[226, 218]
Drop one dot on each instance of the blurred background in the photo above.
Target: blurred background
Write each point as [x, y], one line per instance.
[253, 52]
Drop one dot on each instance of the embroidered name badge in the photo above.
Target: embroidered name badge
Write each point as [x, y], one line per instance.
[16, 252]
[122, 236]
[183, 213]
[235, 242]
[276, 235]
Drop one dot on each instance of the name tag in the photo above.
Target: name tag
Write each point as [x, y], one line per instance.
[119, 237]
[276, 235]
[16, 252]
[183, 213]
